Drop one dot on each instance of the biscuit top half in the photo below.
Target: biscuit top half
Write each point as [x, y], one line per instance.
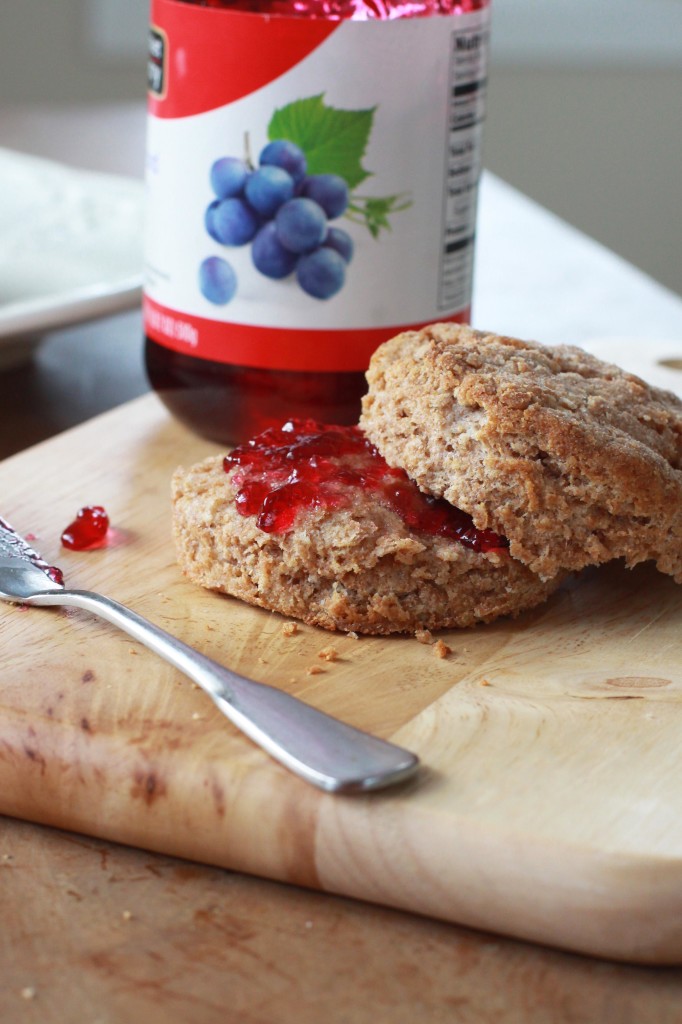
[575, 461]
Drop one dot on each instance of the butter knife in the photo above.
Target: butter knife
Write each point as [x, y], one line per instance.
[324, 751]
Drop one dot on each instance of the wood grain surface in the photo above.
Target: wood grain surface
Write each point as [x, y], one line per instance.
[96, 933]
[548, 805]
[217, 947]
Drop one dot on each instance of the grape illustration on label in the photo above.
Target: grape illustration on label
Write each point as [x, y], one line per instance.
[307, 175]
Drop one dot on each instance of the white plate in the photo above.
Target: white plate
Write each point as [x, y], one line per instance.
[70, 247]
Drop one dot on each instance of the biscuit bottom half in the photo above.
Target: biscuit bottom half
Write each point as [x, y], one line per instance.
[356, 568]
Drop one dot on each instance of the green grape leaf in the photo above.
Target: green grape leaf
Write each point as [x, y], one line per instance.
[333, 140]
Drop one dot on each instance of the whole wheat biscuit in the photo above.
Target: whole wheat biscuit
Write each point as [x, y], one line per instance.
[356, 567]
[575, 461]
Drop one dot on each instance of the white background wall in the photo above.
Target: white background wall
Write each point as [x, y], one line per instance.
[584, 115]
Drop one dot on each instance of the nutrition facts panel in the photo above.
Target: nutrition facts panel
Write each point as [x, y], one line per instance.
[466, 108]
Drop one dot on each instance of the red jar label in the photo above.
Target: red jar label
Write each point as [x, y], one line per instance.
[311, 184]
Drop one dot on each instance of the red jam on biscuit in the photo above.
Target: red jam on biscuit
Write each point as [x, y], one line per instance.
[304, 465]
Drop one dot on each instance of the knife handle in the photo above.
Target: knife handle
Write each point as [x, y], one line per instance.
[324, 751]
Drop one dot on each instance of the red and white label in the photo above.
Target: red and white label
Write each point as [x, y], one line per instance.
[395, 108]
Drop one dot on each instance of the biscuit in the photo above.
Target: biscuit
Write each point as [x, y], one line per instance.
[355, 567]
[575, 461]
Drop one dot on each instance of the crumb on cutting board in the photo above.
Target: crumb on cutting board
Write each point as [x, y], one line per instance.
[441, 649]
[438, 647]
[329, 654]
[289, 629]
[314, 670]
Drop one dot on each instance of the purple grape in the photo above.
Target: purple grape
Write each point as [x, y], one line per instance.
[269, 255]
[208, 218]
[330, 191]
[286, 155]
[268, 188]
[321, 273]
[228, 176]
[301, 225]
[217, 280]
[232, 222]
[340, 240]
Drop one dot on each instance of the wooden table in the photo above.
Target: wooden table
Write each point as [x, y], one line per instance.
[94, 932]
[98, 933]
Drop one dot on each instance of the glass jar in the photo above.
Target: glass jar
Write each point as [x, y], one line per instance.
[367, 117]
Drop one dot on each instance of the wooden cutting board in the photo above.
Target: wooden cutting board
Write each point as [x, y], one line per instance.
[549, 804]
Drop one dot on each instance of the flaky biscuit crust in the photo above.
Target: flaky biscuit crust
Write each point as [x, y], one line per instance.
[357, 568]
[573, 460]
